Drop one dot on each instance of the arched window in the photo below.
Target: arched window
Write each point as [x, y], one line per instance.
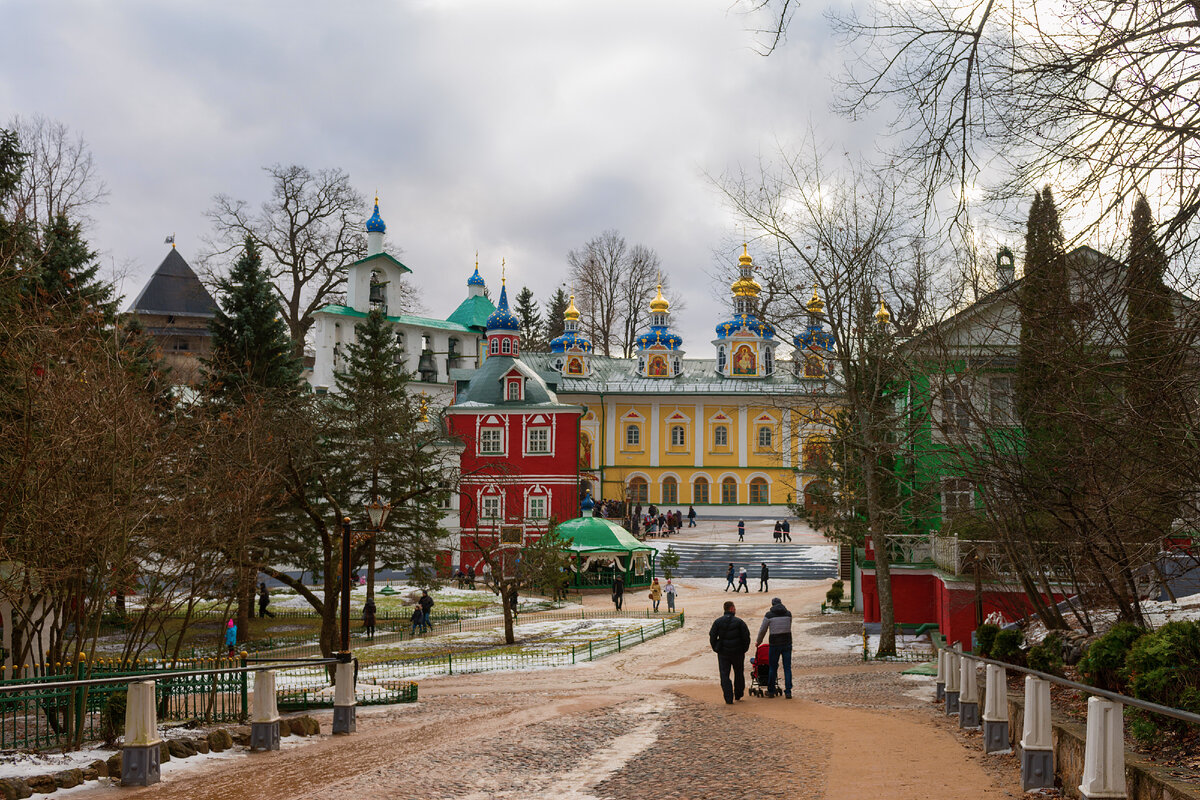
[678, 436]
[506, 347]
[728, 491]
[721, 436]
[558, 364]
[633, 436]
[670, 490]
[494, 347]
[700, 490]
[638, 490]
[764, 437]
[721, 358]
[760, 493]
[769, 361]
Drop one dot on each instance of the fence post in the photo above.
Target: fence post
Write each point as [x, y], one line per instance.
[953, 681]
[968, 694]
[940, 693]
[1037, 755]
[450, 662]
[80, 696]
[141, 755]
[589, 649]
[343, 698]
[264, 727]
[618, 642]
[245, 703]
[995, 710]
[1104, 751]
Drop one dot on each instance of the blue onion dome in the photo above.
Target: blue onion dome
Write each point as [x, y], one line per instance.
[814, 338]
[502, 319]
[571, 340]
[375, 223]
[476, 279]
[659, 336]
[748, 322]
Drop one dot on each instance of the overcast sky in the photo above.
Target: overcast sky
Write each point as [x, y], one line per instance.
[519, 129]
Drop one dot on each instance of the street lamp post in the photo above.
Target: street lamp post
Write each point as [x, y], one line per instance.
[377, 513]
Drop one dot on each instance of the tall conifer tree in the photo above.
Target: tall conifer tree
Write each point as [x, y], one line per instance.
[554, 314]
[531, 320]
[251, 349]
[65, 278]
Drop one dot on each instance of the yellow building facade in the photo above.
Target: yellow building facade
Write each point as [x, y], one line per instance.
[733, 435]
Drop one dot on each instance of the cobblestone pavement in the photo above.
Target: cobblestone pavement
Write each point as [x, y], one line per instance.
[646, 723]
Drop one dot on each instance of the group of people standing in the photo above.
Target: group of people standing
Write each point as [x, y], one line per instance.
[738, 581]
[657, 592]
[783, 530]
[657, 522]
[729, 638]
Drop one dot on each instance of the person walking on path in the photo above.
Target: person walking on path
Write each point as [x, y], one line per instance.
[742, 582]
[618, 592]
[741, 530]
[778, 622]
[729, 584]
[669, 590]
[778, 533]
[787, 531]
[231, 638]
[730, 639]
[691, 516]
[470, 576]
[426, 603]
[369, 617]
[418, 620]
[264, 600]
[763, 576]
[655, 594]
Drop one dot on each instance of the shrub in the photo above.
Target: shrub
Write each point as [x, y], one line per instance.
[112, 717]
[1164, 667]
[985, 634]
[1006, 646]
[835, 594]
[1103, 665]
[669, 562]
[1046, 656]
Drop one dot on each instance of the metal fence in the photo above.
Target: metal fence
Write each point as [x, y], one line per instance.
[42, 708]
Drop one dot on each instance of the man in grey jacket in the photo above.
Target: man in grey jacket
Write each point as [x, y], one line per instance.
[778, 623]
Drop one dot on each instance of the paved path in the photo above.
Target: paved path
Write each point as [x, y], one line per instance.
[645, 724]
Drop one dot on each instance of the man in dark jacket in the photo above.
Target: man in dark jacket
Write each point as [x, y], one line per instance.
[787, 531]
[426, 603]
[729, 574]
[778, 622]
[730, 639]
[618, 591]
[763, 576]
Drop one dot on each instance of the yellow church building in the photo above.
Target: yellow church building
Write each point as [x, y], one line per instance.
[732, 435]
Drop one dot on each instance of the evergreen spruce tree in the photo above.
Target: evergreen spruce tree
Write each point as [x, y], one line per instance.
[554, 314]
[531, 321]
[381, 443]
[142, 358]
[1043, 385]
[251, 349]
[64, 279]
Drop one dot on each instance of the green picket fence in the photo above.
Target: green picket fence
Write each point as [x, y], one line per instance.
[42, 715]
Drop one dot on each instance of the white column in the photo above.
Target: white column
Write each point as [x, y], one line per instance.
[785, 427]
[610, 433]
[968, 694]
[343, 698]
[141, 715]
[654, 434]
[743, 437]
[1104, 751]
[1037, 754]
[699, 436]
[995, 711]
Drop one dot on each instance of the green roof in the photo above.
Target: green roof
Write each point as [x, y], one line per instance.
[598, 535]
[403, 319]
[473, 312]
[383, 256]
[486, 386]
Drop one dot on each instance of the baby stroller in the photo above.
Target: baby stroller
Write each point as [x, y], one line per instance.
[760, 671]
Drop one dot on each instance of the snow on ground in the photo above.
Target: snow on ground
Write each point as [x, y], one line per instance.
[1157, 612]
[24, 765]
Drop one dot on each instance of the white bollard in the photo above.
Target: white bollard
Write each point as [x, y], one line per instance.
[343, 698]
[941, 676]
[1104, 751]
[968, 694]
[264, 726]
[953, 682]
[995, 711]
[1037, 753]
[141, 755]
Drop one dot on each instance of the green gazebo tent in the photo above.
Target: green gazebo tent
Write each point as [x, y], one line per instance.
[600, 548]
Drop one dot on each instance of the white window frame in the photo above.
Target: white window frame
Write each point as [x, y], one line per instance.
[513, 389]
[491, 500]
[1002, 399]
[542, 432]
[769, 435]
[958, 497]
[485, 438]
[633, 436]
[682, 437]
[534, 503]
[494, 347]
[720, 436]
[956, 408]
[505, 347]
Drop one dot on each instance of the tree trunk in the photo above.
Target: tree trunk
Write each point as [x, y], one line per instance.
[371, 569]
[505, 592]
[883, 570]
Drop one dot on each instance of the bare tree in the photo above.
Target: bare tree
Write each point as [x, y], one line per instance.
[614, 283]
[310, 231]
[60, 176]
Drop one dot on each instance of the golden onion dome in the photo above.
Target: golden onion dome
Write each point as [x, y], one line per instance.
[572, 313]
[882, 316]
[659, 303]
[746, 287]
[745, 259]
[816, 305]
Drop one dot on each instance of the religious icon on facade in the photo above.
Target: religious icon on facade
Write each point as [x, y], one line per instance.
[744, 362]
[658, 367]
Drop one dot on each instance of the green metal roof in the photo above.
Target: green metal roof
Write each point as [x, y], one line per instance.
[383, 256]
[473, 312]
[486, 386]
[403, 319]
[598, 535]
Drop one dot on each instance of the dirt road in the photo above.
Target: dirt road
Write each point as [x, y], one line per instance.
[647, 723]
